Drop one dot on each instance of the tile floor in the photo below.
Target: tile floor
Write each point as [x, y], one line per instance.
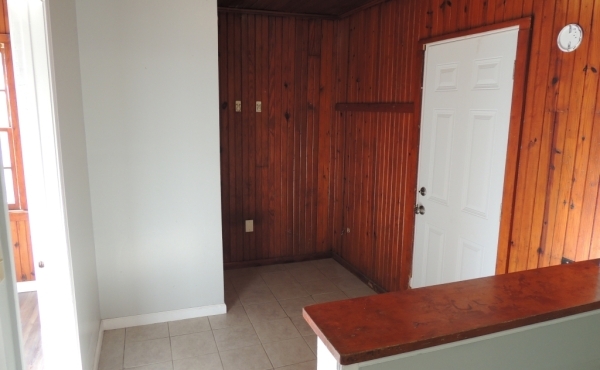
[263, 328]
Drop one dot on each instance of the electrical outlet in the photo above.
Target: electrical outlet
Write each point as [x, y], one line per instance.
[258, 107]
[238, 106]
[249, 226]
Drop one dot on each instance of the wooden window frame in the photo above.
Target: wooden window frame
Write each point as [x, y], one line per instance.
[514, 136]
[14, 132]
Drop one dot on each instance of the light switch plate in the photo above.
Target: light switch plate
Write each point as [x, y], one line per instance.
[249, 226]
[238, 106]
[258, 107]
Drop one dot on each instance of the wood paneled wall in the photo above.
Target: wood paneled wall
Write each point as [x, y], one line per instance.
[354, 192]
[559, 172]
[275, 164]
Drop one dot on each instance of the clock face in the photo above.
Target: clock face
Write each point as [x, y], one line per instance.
[570, 38]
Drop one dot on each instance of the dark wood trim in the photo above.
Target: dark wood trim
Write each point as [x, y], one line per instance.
[273, 261]
[373, 285]
[275, 14]
[361, 8]
[376, 107]
[513, 149]
[389, 324]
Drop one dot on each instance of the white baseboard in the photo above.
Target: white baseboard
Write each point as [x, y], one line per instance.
[155, 318]
[98, 347]
[27, 286]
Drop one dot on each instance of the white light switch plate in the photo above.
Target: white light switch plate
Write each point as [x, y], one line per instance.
[238, 106]
[258, 107]
[249, 226]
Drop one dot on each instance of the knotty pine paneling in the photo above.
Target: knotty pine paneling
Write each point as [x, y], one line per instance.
[559, 173]
[354, 193]
[275, 165]
[21, 240]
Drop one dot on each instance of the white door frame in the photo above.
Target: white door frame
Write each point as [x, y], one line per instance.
[30, 29]
[513, 151]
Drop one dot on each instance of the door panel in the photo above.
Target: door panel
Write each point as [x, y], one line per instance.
[467, 95]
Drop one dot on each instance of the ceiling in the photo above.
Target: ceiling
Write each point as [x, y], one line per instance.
[334, 8]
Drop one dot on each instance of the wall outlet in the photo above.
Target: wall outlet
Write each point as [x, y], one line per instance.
[238, 106]
[258, 106]
[249, 226]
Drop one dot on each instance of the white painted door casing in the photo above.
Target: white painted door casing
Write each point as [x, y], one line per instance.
[467, 95]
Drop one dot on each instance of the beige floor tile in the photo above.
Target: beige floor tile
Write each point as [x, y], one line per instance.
[295, 265]
[241, 273]
[335, 271]
[329, 297]
[310, 365]
[319, 286]
[265, 311]
[193, 345]
[189, 326]
[206, 362]
[311, 340]
[270, 268]
[348, 283]
[256, 295]
[249, 358]
[248, 283]
[161, 366]
[289, 291]
[113, 348]
[307, 273]
[274, 330]
[147, 332]
[288, 352]
[360, 292]
[293, 307]
[236, 337]
[302, 326]
[278, 278]
[235, 316]
[326, 263]
[147, 352]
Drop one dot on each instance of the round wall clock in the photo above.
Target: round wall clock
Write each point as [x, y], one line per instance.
[570, 38]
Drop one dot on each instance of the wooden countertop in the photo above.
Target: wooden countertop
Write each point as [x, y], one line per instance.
[363, 329]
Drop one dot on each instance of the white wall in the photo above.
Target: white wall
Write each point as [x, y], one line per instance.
[150, 94]
[75, 184]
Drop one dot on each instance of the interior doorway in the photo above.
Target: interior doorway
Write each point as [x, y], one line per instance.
[418, 275]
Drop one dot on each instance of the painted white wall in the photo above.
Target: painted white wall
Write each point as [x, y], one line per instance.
[567, 343]
[150, 94]
[74, 200]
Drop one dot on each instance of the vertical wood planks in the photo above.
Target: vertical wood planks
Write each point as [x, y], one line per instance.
[272, 160]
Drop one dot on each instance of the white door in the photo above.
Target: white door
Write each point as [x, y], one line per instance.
[467, 93]
[10, 323]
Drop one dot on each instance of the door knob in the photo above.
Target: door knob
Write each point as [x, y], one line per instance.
[419, 209]
[423, 191]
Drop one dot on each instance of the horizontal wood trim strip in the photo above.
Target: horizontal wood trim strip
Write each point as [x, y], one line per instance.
[275, 14]
[376, 107]
[357, 335]
[272, 261]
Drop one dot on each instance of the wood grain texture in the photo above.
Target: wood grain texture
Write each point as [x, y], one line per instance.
[330, 172]
[275, 163]
[31, 330]
[389, 324]
[21, 240]
[376, 107]
[332, 8]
